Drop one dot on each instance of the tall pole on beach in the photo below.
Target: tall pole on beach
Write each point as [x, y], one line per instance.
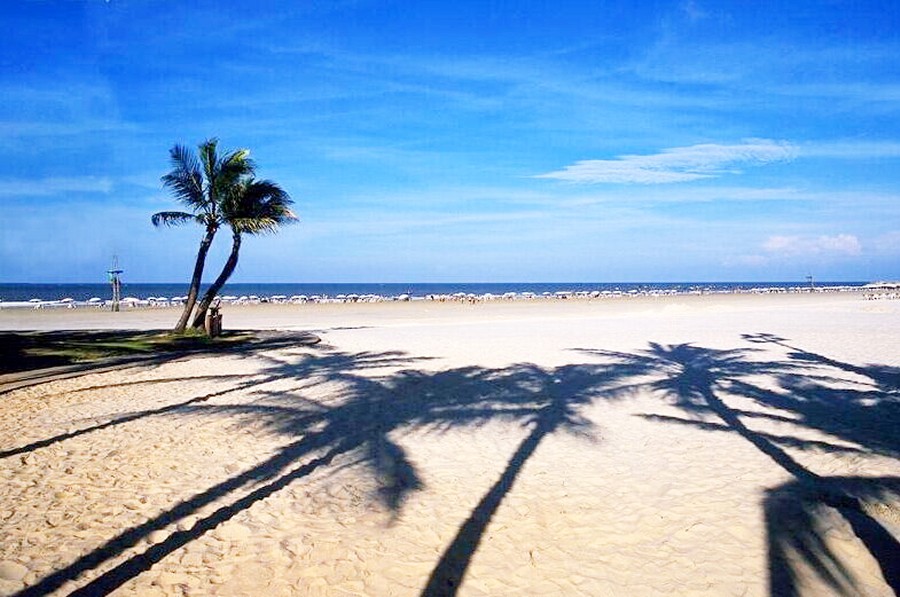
[116, 283]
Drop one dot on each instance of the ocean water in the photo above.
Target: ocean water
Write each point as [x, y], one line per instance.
[84, 292]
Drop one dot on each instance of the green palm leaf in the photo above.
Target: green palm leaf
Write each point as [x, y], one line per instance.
[219, 190]
[173, 218]
[260, 206]
[185, 180]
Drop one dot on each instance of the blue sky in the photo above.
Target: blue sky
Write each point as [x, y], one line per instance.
[461, 141]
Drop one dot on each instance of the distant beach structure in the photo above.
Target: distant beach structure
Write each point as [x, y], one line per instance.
[116, 282]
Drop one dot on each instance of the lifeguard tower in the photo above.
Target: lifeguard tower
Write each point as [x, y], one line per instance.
[116, 283]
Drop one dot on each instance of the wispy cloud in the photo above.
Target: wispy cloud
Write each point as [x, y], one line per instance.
[840, 244]
[805, 248]
[54, 186]
[677, 164]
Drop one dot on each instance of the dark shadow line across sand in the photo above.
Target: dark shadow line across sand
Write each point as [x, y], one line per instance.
[131, 537]
[547, 400]
[275, 341]
[693, 376]
[447, 576]
[782, 440]
[336, 440]
[144, 382]
[121, 421]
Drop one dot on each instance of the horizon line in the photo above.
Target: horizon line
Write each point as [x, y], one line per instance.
[804, 281]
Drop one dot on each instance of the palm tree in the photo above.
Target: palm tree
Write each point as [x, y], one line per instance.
[251, 207]
[200, 183]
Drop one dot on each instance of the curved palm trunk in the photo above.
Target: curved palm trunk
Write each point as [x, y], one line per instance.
[213, 290]
[194, 290]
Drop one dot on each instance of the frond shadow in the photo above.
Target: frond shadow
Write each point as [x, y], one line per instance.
[697, 380]
[373, 402]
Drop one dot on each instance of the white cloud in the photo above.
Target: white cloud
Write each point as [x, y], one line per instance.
[678, 164]
[54, 186]
[841, 244]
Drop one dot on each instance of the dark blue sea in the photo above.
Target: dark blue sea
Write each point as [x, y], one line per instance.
[84, 292]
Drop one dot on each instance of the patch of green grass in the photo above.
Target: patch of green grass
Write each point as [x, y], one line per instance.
[24, 351]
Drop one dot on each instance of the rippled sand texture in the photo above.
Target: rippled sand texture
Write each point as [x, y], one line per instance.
[729, 446]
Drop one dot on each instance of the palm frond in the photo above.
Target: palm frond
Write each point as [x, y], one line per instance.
[236, 164]
[174, 218]
[231, 171]
[257, 207]
[185, 180]
[221, 188]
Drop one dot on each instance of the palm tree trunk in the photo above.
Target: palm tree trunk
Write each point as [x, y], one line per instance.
[213, 290]
[194, 290]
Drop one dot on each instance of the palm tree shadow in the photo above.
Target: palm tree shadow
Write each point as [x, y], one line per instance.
[298, 458]
[557, 395]
[696, 378]
[801, 528]
[868, 414]
[372, 405]
[885, 377]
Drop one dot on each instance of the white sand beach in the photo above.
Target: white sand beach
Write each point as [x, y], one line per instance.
[691, 445]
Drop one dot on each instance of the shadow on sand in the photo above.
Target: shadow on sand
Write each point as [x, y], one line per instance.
[813, 393]
[374, 396]
[357, 424]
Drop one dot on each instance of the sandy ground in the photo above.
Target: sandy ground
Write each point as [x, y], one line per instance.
[728, 445]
